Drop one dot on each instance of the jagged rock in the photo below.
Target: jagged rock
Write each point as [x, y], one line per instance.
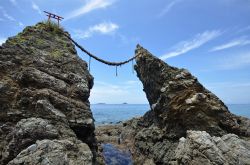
[200, 148]
[25, 133]
[44, 91]
[56, 152]
[180, 103]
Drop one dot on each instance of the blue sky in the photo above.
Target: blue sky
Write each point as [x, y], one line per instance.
[210, 38]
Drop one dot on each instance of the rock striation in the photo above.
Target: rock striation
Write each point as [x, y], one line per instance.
[187, 124]
[199, 147]
[180, 103]
[45, 115]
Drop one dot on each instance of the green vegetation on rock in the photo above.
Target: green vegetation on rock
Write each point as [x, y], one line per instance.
[56, 54]
[44, 91]
[52, 26]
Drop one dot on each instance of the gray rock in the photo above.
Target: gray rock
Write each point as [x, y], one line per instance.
[26, 132]
[55, 152]
[44, 91]
[180, 103]
[200, 148]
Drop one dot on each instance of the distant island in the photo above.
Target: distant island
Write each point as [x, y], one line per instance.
[109, 103]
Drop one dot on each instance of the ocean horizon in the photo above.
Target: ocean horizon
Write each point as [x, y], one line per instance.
[114, 113]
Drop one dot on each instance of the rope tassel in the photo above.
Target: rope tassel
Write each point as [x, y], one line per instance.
[116, 71]
[133, 66]
[89, 62]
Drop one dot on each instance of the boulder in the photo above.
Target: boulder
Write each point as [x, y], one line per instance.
[179, 102]
[56, 152]
[200, 148]
[187, 124]
[45, 113]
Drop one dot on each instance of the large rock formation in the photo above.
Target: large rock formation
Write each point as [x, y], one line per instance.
[44, 109]
[179, 103]
[45, 115]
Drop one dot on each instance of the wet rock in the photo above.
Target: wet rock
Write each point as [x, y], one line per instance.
[44, 91]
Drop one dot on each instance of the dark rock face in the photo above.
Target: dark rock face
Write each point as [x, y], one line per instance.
[180, 103]
[183, 121]
[44, 91]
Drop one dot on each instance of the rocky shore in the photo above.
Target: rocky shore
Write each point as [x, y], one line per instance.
[187, 124]
[45, 115]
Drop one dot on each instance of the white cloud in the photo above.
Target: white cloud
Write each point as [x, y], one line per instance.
[37, 8]
[235, 62]
[228, 85]
[14, 2]
[2, 40]
[231, 92]
[168, 7]
[132, 82]
[186, 46]
[89, 6]
[6, 15]
[244, 29]
[128, 40]
[130, 92]
[20, 24]
[102, 28]
[9, 17]
[233, 43]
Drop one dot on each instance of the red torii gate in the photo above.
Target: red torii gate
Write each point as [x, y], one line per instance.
[51, 15]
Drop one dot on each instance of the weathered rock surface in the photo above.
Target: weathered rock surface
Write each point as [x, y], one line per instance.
[179, 103]
[200, 148]
[56, 152]
[44, 109]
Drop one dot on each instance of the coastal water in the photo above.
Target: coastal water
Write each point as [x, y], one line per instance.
[114, 156]
[114, 113]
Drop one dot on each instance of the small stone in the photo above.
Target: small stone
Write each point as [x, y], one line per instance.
[189, 101]
[179, 76]
[32, 148]
[163, 89]
[153, 106]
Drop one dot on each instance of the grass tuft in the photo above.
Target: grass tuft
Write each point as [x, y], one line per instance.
[52, 26]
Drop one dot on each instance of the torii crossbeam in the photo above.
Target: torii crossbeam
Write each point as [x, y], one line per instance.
[51, 15]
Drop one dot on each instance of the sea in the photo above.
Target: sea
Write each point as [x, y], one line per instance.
[115, 113]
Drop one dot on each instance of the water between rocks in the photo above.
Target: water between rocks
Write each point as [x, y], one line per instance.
[114, 156]
[113, 113]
